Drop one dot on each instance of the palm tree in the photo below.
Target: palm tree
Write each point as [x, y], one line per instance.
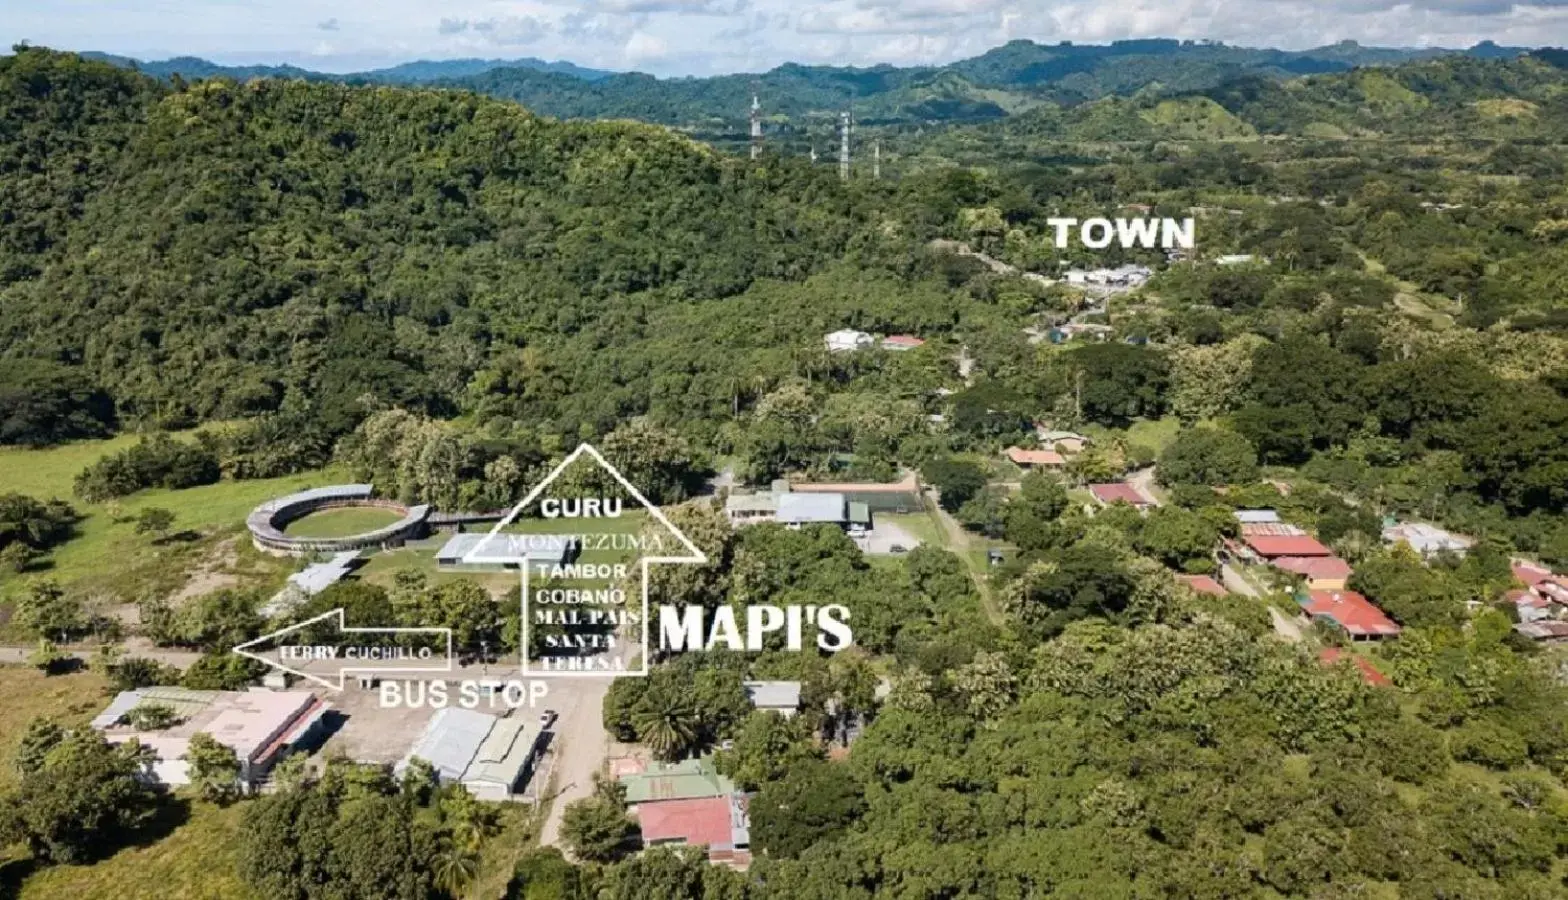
[667, 723]
[457, 863]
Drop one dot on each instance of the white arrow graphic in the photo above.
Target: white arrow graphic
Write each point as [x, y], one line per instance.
[331, 672]
[505, 552]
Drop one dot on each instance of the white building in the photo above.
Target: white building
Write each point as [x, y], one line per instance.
[848, 340]
[782, 697]
[1427, 540]
[1234, 259]
[261, 726]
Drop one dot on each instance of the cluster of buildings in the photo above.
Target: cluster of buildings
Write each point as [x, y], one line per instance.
[849, 340]
[1542, 603]
[849, 505]
[492, 756]
[689, 803]
[261, 726]
[1266, 540]
[1125, 276]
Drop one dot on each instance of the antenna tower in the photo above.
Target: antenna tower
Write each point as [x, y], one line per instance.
[756, 125]
[844, 124]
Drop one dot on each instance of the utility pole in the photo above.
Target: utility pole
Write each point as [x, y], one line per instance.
[876, 160]
[756, 126]
[843, 145]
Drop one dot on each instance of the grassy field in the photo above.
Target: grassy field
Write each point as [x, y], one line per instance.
[203, 517]
[1156, 433]
[197, 860]
[27, 693]
[343, 522]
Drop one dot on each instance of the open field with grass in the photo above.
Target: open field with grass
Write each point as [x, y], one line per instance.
[197, 860]
[27, 693]
[203, 517]
[342, 522]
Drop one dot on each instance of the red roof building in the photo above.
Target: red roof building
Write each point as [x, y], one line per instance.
[1323, 573]
[1030, 458]
[1530, 574]
[1203, 584]
[704, 821]
[1270, 546]
[1369, 673]
[1350, 611]
[1119, 492]
[901, 342]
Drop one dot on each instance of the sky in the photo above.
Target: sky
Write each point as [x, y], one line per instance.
[704, 37]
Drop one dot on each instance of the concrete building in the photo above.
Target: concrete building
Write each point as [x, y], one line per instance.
[1427, 540]
[261, 726]
[782, 697]
[491, 756]
[849, 340]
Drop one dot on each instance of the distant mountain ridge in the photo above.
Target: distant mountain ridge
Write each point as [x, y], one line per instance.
[416, 72]
[799, 99]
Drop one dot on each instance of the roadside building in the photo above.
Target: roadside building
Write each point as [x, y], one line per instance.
[1275, 546]
[1349, 611]
[1427, 540]
[1119, 492]
[782, 697]
[1322, 573]
[1036, 459]
[261, 726]
[890, 497]
[689, 779]
[507, 550]
[492, 756]
[849, 340]
[721, 824]
[795, 510]
[1257, 516]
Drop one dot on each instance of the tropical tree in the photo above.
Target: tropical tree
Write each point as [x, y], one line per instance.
[214, 768]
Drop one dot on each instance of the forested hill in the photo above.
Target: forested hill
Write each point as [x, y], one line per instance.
[229, 249]
[1006, 80]
[1456, 97]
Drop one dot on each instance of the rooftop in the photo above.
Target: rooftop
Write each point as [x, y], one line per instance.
[689, 779]
[764, 503]
[1256, 516]
[1427, 539]
[1351, 611]
[318, 577]
[773, 694]
[1544, 629]
[545, 548]
[1272, 545]
[902, 341]
[1203, 584]
[450, 741]
[1118, 492]
[504, 752]
[804, 508]
[248, 722]
[1035, 457]
[705, 820]
[909, 485]
[1314, 566]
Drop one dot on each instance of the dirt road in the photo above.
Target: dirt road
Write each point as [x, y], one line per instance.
[580, 747]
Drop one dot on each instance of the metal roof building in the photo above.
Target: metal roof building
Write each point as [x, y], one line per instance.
[805, 509]
[780, 696]
[502, 758]
[507, 549]
[450, 741]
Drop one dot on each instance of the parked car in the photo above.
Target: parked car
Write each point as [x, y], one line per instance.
[547, 719]
[898, 548]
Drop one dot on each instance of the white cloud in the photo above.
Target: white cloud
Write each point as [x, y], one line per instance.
[704, 36]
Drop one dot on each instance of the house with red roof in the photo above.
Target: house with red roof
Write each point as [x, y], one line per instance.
[721, 824]
[1331, 656]
[1351, 612]
[1030, 459]
[1119, 492]
[901, 342]
[1273, 546]
[1203, 584]
[1544, 596]
[1323, 573]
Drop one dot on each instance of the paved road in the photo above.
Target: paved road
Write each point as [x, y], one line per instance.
[1235, 583]
[1143, 480]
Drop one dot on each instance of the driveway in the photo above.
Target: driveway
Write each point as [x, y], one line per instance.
[579, 749]
[884, 536]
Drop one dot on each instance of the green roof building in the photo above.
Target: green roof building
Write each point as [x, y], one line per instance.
[691, 779]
